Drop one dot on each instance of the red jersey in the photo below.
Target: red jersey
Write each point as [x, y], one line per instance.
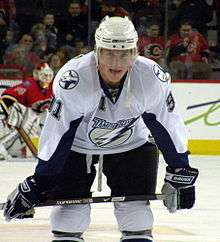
[30, 94]
[152, 48]
[195, 44]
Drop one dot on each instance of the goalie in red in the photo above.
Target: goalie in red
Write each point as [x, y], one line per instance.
[24, 106]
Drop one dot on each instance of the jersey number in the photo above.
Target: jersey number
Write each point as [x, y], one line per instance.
[55, 108]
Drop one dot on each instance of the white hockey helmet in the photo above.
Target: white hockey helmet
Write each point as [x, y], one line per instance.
[43, 73]
[116, 33]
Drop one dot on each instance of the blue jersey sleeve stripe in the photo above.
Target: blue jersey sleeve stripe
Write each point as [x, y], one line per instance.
[164, 142]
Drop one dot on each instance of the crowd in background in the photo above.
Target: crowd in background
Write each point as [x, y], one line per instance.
[183, 36]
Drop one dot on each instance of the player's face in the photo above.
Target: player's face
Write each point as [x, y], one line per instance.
[113, 64]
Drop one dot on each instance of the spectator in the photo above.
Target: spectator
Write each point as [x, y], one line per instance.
[8, 13]
[22, 54]
[45, 35]
[152, 45]
[96, 6]
[73, 25]
[54, 62]
[188, 54]
[50, 31]
[3, 33]
[110, 9]
[65, 53]
[28, 13]
[56, 6]
[217, 7]
[9, 8]
[38, 31]
[147, 10]
[198, 12]
[80, 48]
[85, 49]
[7, 34]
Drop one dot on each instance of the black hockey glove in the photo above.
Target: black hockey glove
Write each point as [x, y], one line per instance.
[178, 188]
[21, 201]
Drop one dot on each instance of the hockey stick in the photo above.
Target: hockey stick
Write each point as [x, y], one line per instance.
[203, 104]
[27, 141]
[104, 199]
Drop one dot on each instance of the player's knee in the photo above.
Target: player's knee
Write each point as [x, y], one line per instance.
[133, 216]
[70, 218]
[137, 236]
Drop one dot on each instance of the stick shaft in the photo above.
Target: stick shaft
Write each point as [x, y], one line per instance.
[28, 141]
[104, 199]
[203, 104]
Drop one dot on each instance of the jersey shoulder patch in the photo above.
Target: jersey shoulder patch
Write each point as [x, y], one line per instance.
[69, 79]
[160, 73]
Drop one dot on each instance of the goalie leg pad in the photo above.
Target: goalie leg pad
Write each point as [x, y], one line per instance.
[67, 237]
[4, 155]
[133, 216]
[71, 219]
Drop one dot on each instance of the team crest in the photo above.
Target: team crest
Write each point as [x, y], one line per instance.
[20, 90]
[154, 51]
[69, 80]
[108, 135]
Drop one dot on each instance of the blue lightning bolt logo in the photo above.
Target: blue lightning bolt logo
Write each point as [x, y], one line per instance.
[108, 136]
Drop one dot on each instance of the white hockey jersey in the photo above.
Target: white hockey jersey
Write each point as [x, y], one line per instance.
[84, 119]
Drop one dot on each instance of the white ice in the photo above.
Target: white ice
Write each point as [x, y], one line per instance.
[200, 224]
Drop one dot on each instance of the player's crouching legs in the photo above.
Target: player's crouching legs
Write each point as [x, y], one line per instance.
[135, 221]
[70, 222]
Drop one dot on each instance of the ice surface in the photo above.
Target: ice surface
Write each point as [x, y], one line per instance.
[200, 224]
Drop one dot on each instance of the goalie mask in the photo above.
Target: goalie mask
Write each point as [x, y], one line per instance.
[44, 74]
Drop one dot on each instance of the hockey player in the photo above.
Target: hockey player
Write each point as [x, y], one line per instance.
[105, 105]
[23, 106]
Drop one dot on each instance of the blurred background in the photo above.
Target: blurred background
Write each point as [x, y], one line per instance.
[183, 36]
